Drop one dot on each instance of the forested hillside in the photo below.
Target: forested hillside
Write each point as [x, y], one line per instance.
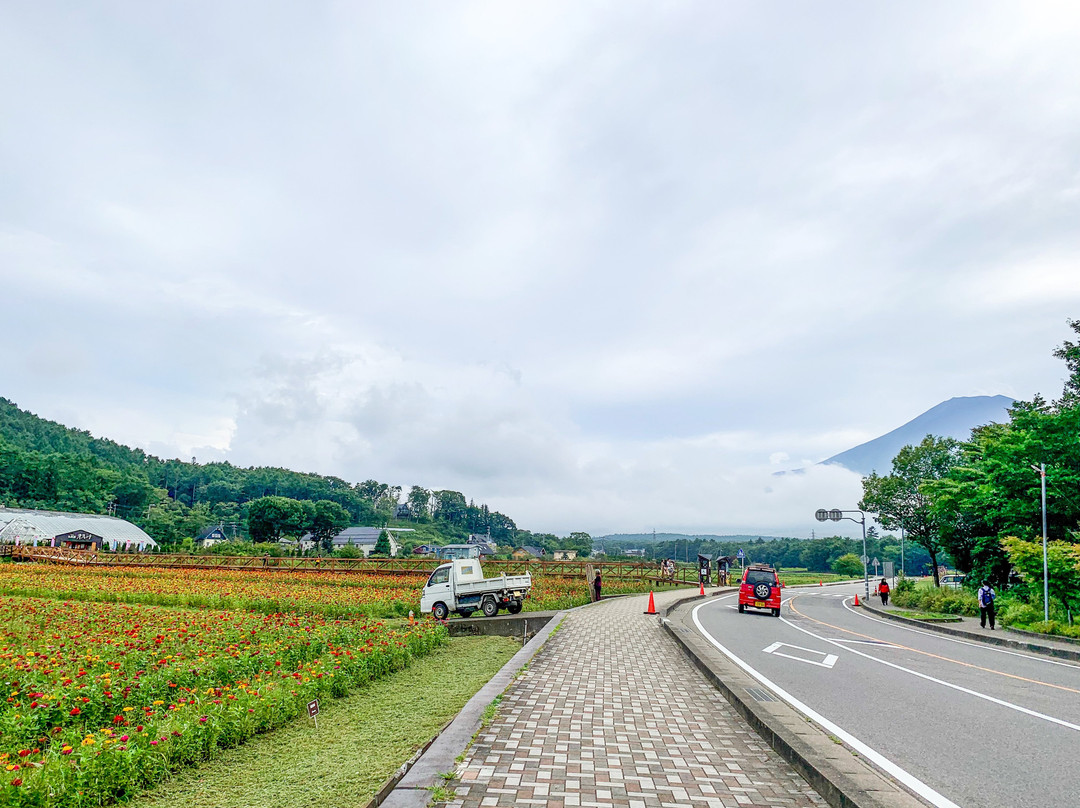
[46, 465]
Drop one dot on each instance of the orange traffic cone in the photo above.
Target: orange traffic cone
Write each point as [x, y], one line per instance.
[820, 583]
[702, 588]
[856, 598]
[652, 606]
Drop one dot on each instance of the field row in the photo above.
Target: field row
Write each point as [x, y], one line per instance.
[327, 593]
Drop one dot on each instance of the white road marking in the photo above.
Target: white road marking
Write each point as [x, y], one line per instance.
[882, 762]
[957, 640]
[828, 660]
[927, 677]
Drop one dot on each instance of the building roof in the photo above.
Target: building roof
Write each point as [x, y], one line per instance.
[23, 524]
[362, 536]
[535, 552]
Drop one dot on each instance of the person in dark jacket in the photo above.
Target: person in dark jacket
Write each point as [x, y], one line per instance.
[596, 585]
[986, 604]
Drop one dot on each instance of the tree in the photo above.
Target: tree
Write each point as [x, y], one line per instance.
[382, 545]
[419, 501]
[899, 500]
[329, 520]
[270, 518]
[849, 565]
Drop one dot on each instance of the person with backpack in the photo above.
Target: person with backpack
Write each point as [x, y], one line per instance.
[986, 604]
[883, 590]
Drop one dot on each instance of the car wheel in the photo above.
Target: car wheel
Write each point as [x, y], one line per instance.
[514, 606]
[490, 607]
[439, 611]
[775, 612]
[741, 608]
[466, 612]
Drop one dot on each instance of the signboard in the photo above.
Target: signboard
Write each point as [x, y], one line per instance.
[313, 711]
[741, 554]
[704, 569]
[889, 571]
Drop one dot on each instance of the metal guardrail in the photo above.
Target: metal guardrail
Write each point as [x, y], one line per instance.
[380, 566]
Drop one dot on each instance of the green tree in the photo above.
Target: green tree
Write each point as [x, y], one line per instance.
[270, 518]
[849, 565]
[329, 520]
[899, 500]
[382, 545]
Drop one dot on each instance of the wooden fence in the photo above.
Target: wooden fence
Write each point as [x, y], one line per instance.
[637, 570]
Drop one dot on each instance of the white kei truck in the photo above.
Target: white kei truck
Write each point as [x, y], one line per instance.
[460, 586]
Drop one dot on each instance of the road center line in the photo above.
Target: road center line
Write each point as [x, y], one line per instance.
[927, 677]
[791, 606]
[902, 775]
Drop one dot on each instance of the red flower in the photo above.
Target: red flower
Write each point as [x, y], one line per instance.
[75, 711]
[17, 781]
[24, 753]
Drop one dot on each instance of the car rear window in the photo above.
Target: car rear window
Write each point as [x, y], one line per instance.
[760, 577]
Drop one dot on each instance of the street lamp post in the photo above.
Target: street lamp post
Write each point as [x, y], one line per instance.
[836, 515]
[1041, 468]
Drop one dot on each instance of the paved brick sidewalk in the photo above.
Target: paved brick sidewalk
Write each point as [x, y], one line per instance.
[611, 713]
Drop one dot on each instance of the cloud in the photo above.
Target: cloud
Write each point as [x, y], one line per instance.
[597, 265]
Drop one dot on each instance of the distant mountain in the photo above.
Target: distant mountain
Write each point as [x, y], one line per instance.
[954, 418]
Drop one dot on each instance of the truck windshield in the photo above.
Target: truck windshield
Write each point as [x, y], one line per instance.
[440, 576]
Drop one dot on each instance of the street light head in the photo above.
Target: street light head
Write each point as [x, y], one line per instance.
[821, 514]
[836, 515]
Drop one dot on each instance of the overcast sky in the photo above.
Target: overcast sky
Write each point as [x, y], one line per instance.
[604, 266]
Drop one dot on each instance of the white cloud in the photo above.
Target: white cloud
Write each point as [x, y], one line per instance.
[598, 265]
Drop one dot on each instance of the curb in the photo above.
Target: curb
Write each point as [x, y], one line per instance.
[410, 786]
[989, 639]
[835, 771]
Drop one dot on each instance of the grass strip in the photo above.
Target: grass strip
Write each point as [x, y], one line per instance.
[360, 742]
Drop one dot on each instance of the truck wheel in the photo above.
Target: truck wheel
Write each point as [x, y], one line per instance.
[439, 611]
[513, 606]
[490, 607]
[465, 612]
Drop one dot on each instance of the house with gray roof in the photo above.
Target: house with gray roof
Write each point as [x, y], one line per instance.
[364, 538]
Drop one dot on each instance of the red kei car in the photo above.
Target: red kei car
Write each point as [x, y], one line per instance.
[760, 589]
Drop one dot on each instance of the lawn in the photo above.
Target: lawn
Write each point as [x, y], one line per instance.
[360, 741]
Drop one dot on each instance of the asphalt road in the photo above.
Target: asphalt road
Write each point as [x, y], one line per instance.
[977, 726]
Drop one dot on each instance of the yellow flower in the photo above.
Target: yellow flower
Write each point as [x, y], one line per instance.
[128, 709]
[159, 701]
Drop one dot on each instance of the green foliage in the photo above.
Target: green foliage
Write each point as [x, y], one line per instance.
[900, 501]
[931, 598]
[382, 545]
[1063, 570]
[848, 565]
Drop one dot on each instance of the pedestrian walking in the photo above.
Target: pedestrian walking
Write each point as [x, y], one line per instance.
[986, 604]
[596, 585]
[883, 590]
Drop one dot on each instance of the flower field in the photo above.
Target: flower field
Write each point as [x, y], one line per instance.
[332, 594]
[101, 699]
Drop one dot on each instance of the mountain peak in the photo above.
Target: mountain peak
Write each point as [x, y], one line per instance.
[954, 418]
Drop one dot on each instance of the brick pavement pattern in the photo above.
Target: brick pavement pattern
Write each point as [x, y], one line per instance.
[610, 713]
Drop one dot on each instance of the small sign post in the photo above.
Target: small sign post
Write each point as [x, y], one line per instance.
[313, 711]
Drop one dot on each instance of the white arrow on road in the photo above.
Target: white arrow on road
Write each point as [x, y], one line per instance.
[827, 661]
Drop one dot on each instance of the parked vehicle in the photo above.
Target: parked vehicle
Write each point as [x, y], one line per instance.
[760, 589]
[461, 587]
[952, 581]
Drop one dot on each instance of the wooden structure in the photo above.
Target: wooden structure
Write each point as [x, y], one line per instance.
[646, 572]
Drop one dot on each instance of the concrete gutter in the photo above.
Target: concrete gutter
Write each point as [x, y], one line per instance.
[990, 639]
[835, 771]
[410, 787]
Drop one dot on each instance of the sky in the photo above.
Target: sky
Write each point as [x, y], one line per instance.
[604, 266]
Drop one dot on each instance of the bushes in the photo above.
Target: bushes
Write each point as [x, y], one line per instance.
[929, 598]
